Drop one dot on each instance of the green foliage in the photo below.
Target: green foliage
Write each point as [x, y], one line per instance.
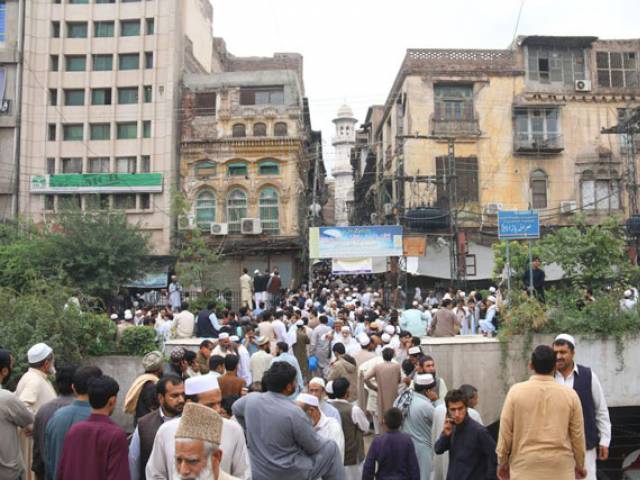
[519, 255]
[138, 341]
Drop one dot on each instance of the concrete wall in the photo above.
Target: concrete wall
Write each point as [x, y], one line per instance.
[477, 361]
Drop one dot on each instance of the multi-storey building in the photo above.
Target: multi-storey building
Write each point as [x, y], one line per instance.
[343, 142]
[466, 133]
[101, 94]
[248, 162]
[10, 72]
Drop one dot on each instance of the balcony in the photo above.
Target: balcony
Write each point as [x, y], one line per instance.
[531, 144]
[455, 128]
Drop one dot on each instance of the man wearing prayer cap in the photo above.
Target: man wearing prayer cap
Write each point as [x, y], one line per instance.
[224, 346]
[597, 424]
[418, 408]
[317, 388]
[325, 426]
[141, 397]
[203, 390]
[197, 445]
[35, 389]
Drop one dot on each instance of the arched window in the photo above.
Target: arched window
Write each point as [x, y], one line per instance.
[260, 130]
[205, 168]
[538, 189]
[236, 209]
[205, 209]
[269, 211]
[237, 169]
[239, 130]
[600, 191]
[280, 129]
[268, 167]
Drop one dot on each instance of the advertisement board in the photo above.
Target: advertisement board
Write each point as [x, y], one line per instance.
[355, 242]
[97, 183]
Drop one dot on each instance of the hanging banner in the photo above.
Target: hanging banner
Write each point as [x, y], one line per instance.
[355, 242]
[97, 183]
[414, 245]
[352, 266]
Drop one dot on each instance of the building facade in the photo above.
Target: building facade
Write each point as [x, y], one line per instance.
[100, 108]
[466, 133]
[248, 160]
[343, 142]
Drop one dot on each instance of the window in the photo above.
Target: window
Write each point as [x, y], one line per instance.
[129, 28]
[236, 209]
[146, 129]
[145, 164]
[99, 165]
[538, 189]
[55, 28]
[260, 130]
[149, 26]
[148, 59]
[126, 164]
[617, 69]
[49, 202]
[262, 95]
[3, 20]
[269, 211]
[269, 167]
[51, 132]
[73, 97]
[73, 132]
[239, 130]
[54, 62]
[205, 104]
[127, 95]
[237, 169]
[125, 201]
[205, 209]
[537, 128]
[600, 191]
[71, 165]
[556, 65]
[148, 93]
[100, 131]
[145, 201]
[105, 1]
[103, 29]
[96, 202]
[101, 96]
[77, 29]
[102, 63]
[69, 202]
[127, 130]
[51, 166]
[53, 96]
[79, 2]
[129, 61]
[465, 181]
[280, 129]
[205, 169]
[75, 63]
[453, 102]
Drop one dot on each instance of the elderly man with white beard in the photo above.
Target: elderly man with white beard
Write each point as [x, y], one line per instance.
[324, 426]
[197, 445]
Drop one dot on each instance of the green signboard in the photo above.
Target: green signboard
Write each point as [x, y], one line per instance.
[98, 183]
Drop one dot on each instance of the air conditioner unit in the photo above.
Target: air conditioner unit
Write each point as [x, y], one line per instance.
[186, 222]
[388, 208]
[583, 85]
[568, 207]
[492, 208]
[250, 226]
[219, 229]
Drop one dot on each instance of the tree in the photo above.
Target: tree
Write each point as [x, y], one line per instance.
[519, 257]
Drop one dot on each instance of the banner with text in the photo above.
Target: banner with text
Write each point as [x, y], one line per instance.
[355, 242]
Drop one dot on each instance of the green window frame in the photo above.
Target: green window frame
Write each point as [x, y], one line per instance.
[129, 61]
[102, 62]
[100, 131]
[269, 211]
[77, 29]
[128, 95]
[268, 167]
[101, 96]
[103, 29]
[130, 28]
[236, 209]
[127, 130]
[75, 63]
[74, 97]
[73, 132]
[237, 169]
[205, 169]
[205, 209]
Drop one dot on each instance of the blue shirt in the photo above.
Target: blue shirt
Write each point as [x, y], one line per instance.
[415, 322]
[293, 361]
[57, 428]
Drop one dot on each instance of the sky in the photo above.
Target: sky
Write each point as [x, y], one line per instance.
[353, 48]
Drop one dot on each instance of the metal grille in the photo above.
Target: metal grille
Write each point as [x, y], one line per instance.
[236, 210]
[269, 211]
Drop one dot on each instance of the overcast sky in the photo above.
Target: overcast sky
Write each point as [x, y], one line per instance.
[353, 48]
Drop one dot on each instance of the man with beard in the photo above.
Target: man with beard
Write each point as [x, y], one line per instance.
[197, 445]
[170, 394]
[13, 415]
[429, 366]
[261, 360]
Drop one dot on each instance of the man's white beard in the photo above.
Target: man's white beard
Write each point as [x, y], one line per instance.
[206, 474]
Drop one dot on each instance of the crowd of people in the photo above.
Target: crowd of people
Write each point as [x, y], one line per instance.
[291, 386]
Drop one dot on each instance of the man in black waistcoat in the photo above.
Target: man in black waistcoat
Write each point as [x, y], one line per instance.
[597, 425]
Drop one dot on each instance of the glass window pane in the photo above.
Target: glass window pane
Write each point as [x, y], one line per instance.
[148, 94]
[103, 29]
[268, 168]
[71, 165]
[603, 78]
[101, 96]
[75, 63]
[238, 130]
[148, 59]
[616, 59]
[127, 130]
[205, 169]
[129, 61]
[74, 97]
[280, 129]
[124, 201]
[99, 165]
[588, 194]
[102, 63]
[235, 169]
[269, 211]
[150, 26]
[100, 131]
[127, 95]
[129, 28]
[602, 60]
[145, 164]
[236, 210]
[205, 209]
[126, 164]
[96, 202]
[73, 132]
[146, 129]
[77, 29]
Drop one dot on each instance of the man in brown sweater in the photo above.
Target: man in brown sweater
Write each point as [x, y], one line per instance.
[230, 383]
[445, 323]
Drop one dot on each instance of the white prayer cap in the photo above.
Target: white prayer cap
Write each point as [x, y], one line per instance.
[317, 381]
[355, 289]
[491, 299]
[128, 315]
[376, 294]
[300, 323]
[565, 337]
[234, 338]
[492, 289]
[346, 289]
[425, 379]
[329, 387]
[462, 294]
[223, 336]
[386, 338]
[364, 339]
[308, 399]
[390, 329]
[628, 293]
[256, 272]
[200, 384]
[349, 299]
[38, 352]
[114, 316]
[446, 297]
[415, 351]
[415, 303]
[345, 329]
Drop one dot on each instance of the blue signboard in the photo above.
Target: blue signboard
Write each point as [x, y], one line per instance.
[355, 242]
[516, 225]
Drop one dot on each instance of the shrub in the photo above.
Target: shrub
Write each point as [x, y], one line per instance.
[138, 341]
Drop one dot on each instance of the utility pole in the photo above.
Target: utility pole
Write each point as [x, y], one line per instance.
[453, 201]
[312, 212]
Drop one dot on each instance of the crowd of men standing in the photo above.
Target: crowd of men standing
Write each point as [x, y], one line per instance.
[289, 387]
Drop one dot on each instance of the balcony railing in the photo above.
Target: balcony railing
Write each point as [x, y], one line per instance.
[455, 128]
[528, 143]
